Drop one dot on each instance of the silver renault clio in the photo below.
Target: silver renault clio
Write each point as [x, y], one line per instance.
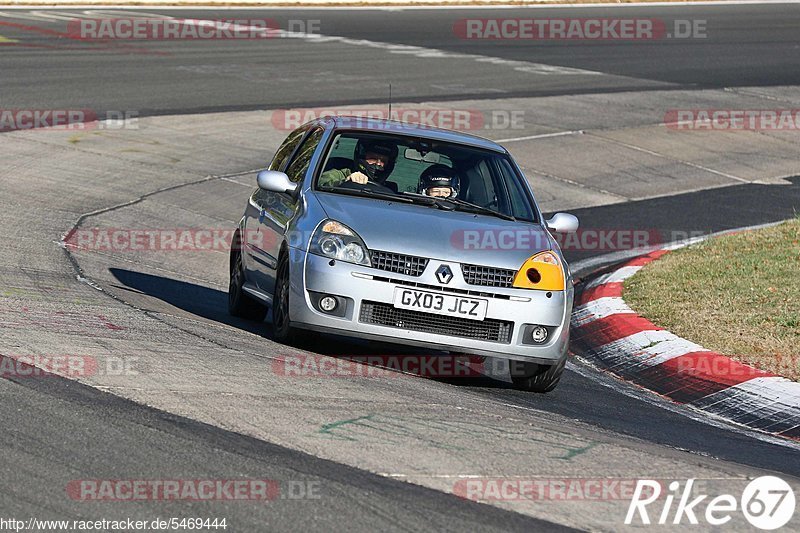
[403, 233]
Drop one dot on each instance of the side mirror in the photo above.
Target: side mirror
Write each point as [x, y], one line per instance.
[563, 223]
[271, 180]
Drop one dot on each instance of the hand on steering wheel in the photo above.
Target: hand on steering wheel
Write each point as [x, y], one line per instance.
[359, 177]
[359, 180]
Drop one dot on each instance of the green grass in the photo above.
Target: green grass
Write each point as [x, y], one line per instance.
[738, 295]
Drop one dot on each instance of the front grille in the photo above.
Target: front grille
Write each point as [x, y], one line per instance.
[487, 276]
[387, 315]
[409, 265]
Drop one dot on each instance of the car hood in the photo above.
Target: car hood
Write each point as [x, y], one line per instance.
[435, 233]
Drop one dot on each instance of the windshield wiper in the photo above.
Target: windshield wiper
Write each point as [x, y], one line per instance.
[423, 199]
[477, 208]
[369, 193]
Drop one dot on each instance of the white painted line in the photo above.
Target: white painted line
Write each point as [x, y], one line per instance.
[433, 53]
[52, 15]
[540, 136]
[687, 242]
[123, 11]
[682, 161]
[238, 183]
[412, 50]
[393, 48]
[684, 243]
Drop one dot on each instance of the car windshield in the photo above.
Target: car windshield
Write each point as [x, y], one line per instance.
[431, 173]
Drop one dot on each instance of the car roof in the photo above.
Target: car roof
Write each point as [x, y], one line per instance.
[407, 128]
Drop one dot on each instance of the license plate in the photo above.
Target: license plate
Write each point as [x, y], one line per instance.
[440, 304]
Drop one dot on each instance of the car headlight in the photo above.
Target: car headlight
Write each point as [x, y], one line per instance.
[543, 272]
[335, 240]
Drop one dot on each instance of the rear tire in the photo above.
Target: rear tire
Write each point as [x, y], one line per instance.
[240, 303]
[282, 329]
[533, 377]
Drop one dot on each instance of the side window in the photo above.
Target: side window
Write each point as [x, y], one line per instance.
[287, 149]
[520, 206]
[343, 147]
[299, 165]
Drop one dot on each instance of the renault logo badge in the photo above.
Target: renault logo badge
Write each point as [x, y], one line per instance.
[444, 274]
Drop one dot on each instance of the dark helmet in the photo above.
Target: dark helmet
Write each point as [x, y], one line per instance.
[364, 146]
[439, 176]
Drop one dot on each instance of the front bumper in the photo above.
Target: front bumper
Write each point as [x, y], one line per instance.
[359, 285]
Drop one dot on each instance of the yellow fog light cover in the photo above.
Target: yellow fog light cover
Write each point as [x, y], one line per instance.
[542, 272]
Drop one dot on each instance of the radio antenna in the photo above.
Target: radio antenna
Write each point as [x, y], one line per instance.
[390, 102]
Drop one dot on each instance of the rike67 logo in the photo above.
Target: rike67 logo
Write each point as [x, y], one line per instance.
[767, 503]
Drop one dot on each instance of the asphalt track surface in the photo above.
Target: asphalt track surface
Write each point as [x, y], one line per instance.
[746, 45]
[69, 428]
[101, 433]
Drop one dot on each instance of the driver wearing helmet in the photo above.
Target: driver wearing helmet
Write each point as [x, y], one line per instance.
[374, 161]
[439, 181]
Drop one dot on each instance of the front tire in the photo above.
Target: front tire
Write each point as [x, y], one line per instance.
[282, 329]
[240, 303]
[533, 377]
